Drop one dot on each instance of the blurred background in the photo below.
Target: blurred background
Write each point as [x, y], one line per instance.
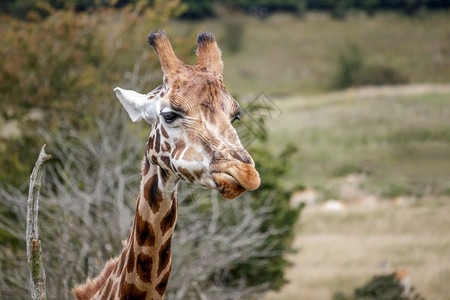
[346, 113]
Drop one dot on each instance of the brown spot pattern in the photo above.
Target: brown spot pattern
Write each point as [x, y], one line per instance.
[144, 264]
[187, 174]
[162, 285]
[145, 235]
[211, 106]
[164, 256]
[198, 173]
[166, 160]
[151, 142]
[131, 260]
[169, 219]
[164, 132]
[146, 165]
[157, 142]
[151, 193]
[131, 292]
[166, 147]
[178, 149]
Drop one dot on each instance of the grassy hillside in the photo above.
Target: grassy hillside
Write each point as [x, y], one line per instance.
[285, 55]
[399, 137]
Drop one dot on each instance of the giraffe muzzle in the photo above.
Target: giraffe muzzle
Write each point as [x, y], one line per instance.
[237, 179]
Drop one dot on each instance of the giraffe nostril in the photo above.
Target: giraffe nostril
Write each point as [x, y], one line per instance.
[243, 157]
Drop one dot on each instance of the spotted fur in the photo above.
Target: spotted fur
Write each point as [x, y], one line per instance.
[196, 143]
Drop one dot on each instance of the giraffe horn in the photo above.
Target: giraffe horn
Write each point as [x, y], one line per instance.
[170, 64]
[209, 54]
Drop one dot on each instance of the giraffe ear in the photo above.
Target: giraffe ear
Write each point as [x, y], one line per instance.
[209, 54]
[138, 106]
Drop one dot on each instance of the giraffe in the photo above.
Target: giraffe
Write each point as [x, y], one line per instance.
[192, 139]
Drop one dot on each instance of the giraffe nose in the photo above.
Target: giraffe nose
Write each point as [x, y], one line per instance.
[246, 175]
[239, 165]
[236, 179]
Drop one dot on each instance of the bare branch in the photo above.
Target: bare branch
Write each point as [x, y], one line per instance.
[34, 249]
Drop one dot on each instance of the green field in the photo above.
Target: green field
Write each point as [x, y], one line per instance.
[286, 55]
[399, 139]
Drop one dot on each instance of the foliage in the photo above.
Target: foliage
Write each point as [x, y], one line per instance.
[354, 70]
[235, 246]
[273, 168]
[380, 287]
[80, 196]
[233, 35]
[196, 9]
[64, 66]
[215, 237]
[206, 8]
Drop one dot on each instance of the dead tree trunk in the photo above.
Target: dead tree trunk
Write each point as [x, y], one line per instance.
[34, 251]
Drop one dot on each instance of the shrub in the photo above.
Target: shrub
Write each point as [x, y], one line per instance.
[340, 9]
[353, 69]
[236, 247]
[65, 66]
[95, 177]
[381, 287]
[233, 34]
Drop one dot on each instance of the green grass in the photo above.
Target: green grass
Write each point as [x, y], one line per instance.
[285, 55]
[401, 141]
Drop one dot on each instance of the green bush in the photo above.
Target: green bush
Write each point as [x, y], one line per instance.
[353, 69]
[381, 287]
[273, 169]
[206, 8]
[65, 66]
[233, 34]
[340, 9]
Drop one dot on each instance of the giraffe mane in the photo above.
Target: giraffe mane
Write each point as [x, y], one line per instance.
[87, 290]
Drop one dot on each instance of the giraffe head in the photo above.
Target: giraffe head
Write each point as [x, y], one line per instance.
[191, 115]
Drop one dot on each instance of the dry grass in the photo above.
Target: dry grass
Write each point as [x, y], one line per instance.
[341, 251]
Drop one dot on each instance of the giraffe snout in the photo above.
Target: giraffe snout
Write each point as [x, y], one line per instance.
[246, 175]
[233, 179]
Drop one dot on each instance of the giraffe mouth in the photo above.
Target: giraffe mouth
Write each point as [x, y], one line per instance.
[227, 185]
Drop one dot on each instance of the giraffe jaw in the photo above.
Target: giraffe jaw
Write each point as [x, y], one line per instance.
[228, 187]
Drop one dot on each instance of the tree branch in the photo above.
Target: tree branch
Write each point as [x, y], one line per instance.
[34, 251]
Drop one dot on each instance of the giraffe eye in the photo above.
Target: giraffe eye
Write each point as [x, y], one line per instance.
[170, 116]
[236, 117]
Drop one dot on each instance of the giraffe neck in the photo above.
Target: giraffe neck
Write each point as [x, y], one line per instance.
[142, 270]
[148, 264]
